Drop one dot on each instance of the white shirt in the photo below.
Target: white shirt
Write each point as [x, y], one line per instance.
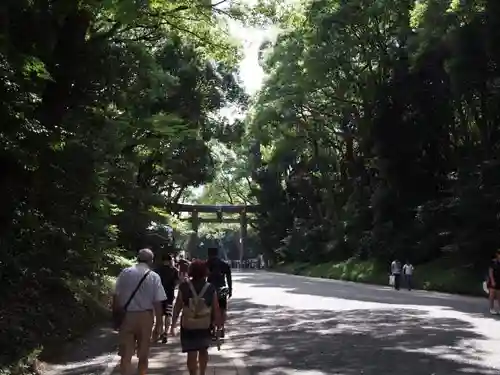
[408, 269]
[395, 268]
[150, 291]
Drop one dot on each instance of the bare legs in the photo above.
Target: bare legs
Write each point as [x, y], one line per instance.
[202, 361]
[494, 295]
[126, 365]
[167, 323]
[197, 360]
[224, 317]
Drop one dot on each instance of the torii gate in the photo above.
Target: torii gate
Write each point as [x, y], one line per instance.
[220, 210]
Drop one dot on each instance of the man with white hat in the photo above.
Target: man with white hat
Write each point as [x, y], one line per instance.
[140, 293]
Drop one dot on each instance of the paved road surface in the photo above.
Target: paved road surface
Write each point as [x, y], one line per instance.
[282, 324]
[289, 324]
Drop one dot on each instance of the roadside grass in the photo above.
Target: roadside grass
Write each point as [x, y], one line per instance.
[48, 314]
[444, 275]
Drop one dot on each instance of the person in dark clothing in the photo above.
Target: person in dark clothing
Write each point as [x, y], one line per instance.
[197, 299]
[183, 265]
[218, 273]
[169, 276]
[494, 283]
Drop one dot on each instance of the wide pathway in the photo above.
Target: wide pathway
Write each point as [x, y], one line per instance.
[283, 324]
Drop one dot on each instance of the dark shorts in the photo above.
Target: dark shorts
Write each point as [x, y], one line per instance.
[497, 285]
[222, 302]
[168, 303]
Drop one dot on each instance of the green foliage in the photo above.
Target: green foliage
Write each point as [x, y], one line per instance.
[35, 321]
[232, 181]
[379, 133]
[107, 113]
[429, 276]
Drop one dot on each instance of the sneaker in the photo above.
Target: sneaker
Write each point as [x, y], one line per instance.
[164, 338]
[493, 312]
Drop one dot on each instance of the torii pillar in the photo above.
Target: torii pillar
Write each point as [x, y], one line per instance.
[193, 237]
[243, 232]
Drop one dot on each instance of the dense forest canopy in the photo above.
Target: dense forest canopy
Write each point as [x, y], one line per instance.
[107, 112]
[375, 134]
[379, 131]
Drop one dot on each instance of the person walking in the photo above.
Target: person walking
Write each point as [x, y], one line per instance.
[197, 300]
[396, 273]
[139, 293]
[494, 283]
[219, 275]
[408, 274]
[169, 276]
[183, 265]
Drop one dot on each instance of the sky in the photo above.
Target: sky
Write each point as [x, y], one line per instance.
[251, 72]
[251, 39]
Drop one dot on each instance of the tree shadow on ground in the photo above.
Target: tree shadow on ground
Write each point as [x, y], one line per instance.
[394, 338]
[88, 355]
[363, 292]
[275, 340]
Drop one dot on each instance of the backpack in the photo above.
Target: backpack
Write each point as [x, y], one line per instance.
[197, 315]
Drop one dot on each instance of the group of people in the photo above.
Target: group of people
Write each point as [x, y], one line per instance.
[146, 294]
[397, 271]
[491, 284]
[257, 263]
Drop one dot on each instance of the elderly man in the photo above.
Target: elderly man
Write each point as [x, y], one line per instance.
[141, 310]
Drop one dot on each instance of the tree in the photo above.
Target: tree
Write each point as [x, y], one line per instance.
[232, 182]
[378, 134]
[107, 112]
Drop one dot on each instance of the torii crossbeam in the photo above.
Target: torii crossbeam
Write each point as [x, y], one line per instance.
[220, 210]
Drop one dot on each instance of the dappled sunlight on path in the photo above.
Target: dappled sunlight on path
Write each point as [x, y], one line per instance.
[346, 328]
[281, 324]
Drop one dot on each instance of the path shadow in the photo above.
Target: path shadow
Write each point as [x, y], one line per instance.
[276, 340]
[364, 292]
[86, 356]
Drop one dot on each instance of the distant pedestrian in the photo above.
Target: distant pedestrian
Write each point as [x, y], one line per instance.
[408, 274]
[261, 261]
[494, 283]
[396, 273]
[139, 294]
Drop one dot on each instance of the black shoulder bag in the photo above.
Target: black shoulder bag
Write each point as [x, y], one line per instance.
[120, 311]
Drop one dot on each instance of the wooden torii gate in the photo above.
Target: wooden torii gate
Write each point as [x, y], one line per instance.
[219, 210]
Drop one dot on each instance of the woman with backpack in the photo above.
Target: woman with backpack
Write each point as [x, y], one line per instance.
[197, 299]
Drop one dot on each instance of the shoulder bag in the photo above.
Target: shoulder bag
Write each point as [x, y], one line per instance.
[120, 311]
